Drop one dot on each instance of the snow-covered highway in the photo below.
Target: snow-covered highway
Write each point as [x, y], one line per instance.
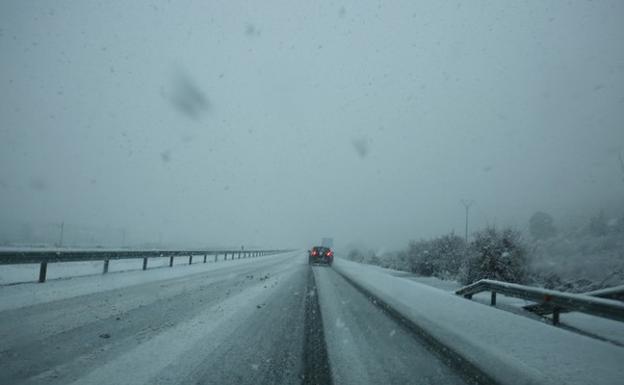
[248, 321]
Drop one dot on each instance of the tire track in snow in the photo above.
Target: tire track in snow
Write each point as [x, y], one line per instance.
[316, 361]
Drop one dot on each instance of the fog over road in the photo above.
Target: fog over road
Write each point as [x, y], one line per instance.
[245, 323]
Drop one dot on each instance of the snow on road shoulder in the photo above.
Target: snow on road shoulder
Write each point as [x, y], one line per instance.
[512, 349]
[602, 328]
[16, 296]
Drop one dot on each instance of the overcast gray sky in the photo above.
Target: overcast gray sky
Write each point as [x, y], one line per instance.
[275, 123]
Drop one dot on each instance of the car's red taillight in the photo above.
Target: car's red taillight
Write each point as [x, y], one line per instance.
[314, 252]
[330, 253]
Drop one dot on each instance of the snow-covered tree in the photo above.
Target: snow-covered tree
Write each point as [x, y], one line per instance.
[498, 255]
[417, 253]
[450, 252]
[441, 257]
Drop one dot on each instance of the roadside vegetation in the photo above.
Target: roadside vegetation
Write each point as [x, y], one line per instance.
[585, 257]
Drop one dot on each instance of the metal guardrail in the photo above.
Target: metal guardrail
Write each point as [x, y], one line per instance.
[616, 292]
[584, 303]
[42, 258]
[543, 308]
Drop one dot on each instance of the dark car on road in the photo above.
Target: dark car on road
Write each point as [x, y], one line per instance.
[320, 254]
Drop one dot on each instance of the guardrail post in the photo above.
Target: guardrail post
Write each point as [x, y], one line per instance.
[205, 258]
[105, 269]
[216, 257]
[225, 257]
[239, 253]
[191, 259]
[144, 263]
[171, 261]
[493, 298]
[555, 316]
[43, 269]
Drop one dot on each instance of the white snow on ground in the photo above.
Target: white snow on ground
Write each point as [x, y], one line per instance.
[448, 285]
[601, 327]
[512, 349]
[141, 364]
[598, 326]
[16, 296]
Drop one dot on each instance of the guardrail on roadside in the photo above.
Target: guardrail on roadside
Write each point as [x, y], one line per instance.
[544, 308]
[560, 301]
[17, 257]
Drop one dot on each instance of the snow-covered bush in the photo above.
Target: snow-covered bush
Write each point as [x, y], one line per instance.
[417, 258]
[441, 257]
[578, 257]
[450, 252]
[498, 255]
[396, 261]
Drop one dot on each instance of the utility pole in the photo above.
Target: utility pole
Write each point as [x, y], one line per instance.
[621, 164]
[61, 237]
[467, 203]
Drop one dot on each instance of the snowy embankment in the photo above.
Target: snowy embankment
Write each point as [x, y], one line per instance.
[601, 328]
[510, 348]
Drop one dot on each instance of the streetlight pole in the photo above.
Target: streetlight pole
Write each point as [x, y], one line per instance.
[61, 235]
[467, 203]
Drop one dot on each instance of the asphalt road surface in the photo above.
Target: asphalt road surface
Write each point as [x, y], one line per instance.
[273, 320]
